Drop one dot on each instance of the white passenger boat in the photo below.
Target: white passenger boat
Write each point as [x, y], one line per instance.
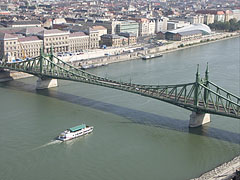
[75, 132]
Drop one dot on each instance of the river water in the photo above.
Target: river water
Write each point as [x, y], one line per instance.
[134, 137]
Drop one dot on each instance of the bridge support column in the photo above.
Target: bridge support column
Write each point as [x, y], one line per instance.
[5, 76]
[46, 83]
[198, 119]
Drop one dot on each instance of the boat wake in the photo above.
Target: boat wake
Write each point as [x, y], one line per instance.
[48, 144]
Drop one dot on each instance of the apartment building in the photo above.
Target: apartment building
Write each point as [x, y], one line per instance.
[151, 27]
[208, 19]
[161, 24]
[196, 19]
[143, 26]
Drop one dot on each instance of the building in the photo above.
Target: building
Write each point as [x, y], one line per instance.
[228, 15]
[175, 24]
[101, 31]
[131, 38]
[128, 26]
[17, 24]
[109, 24]
[78, 41]
[29, 47]
[208, 19]
[93, 38]
[143, 27]
[113, 40]
[9, 45]
[56, 38]
[183, 36]
[30, 31]
[27, 42]
[161, 24]
[219, 16]
[151, 27]
[192, 31]
[196, 19]
[161, 35]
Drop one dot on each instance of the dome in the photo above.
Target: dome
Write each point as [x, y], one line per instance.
[202, 27]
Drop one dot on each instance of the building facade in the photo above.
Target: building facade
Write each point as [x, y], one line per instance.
[128, 26]
[78, 41]
[161, 24]
[14, 46]
[151, 27]
[55, 38]
[113, 40]
[208, 19]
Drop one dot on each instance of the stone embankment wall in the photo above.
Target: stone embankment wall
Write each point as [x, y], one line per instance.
[156, 50]
[226, 171]
[10, 75]
[6, 76]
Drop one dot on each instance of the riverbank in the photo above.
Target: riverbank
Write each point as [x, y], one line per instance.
[11, 75]
[226, 171]
[129, 55]
[170, 47]
[203, 41]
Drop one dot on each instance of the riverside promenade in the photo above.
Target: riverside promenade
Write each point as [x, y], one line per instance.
[137, 54]
[226, 171]
[98, 58]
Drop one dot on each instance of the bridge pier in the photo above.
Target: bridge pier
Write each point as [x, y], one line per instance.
[198, 119]
[46, 83]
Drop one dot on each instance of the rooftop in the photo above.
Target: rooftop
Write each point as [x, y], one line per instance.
[77, 128]
[77, 34]
[98, 28]
[29, 38]
[5, 36]
[46, 32]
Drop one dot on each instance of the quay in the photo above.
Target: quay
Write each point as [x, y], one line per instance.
[97, 59]
[143, 50]
[227, 171]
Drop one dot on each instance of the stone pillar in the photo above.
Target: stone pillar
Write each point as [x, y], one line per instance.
[46, 83]
[5, 76]
[198, 119]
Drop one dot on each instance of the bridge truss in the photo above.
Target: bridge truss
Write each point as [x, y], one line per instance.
[201, 96]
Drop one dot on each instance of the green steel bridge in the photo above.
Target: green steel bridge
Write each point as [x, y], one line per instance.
[201, 96]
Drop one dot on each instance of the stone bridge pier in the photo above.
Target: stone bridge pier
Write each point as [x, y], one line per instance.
[198, 119]
[5, 76]
[44, 83]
